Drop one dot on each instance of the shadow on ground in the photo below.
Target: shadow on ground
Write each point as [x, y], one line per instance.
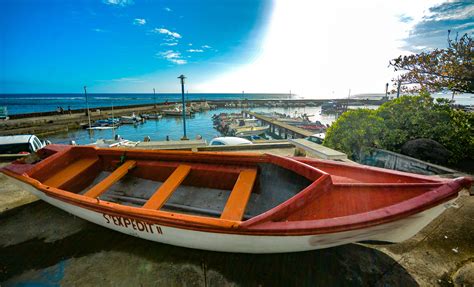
[42, 245]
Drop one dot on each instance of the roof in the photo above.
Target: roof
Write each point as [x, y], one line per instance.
[15, 139]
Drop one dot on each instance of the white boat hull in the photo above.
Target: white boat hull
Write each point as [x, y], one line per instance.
[255, 132]
[396, 231]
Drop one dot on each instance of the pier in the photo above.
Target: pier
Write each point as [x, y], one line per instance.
[278, 128]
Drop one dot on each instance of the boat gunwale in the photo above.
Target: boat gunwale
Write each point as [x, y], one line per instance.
[268, 228]
[334, 163]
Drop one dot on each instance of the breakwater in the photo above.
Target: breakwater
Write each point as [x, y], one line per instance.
[244, 103]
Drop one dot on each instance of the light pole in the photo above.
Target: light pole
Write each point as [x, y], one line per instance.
[87, 107]
[182, 77]
[154, 97]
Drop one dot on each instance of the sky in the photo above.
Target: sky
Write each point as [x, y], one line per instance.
[316, 49]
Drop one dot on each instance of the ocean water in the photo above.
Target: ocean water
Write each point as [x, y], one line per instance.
[200, 124]
[31, 103]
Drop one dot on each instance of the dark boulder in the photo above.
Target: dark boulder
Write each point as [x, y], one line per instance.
[427, 150]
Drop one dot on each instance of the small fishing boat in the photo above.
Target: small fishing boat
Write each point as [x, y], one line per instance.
[155, 116]
[99, 128]
[176, 112]
[234, 202]
[250, 130]
[131, 120]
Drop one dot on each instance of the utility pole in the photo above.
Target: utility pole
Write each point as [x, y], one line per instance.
[399, 87]
[87, 107]
[386, 91]
[347, 103]
[182, 77]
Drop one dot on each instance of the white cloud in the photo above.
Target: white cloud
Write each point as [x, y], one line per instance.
[98, 30]
[324, 48]
[121, 3]
[190, 44]
[172, 56]
[139, 22]
[179, 61]
[169, 44]
[166, 32]
[206, 47]
[167, 9]
[195, 51]
[460, 13]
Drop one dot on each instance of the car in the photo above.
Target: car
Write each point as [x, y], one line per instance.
[229, 141]
[21, 144]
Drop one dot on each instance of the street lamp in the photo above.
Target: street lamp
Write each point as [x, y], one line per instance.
[87, 107]
[182, 77]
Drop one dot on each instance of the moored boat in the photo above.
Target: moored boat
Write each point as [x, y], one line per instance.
[234, 202]
[176, 112]
[250, 130]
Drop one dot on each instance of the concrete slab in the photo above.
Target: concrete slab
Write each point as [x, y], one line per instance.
[318, 150]
[189, 144]
[11, 196]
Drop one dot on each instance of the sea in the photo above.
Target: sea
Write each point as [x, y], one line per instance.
[200, 125]
[32, 103]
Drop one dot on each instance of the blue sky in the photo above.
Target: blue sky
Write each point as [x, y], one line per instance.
[58, 46]
[317, 49]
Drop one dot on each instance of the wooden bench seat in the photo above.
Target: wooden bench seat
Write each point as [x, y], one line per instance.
[240, 195]
[115, 176]
[70, 172]
[164, 192]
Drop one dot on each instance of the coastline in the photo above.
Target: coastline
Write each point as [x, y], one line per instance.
[47, 123]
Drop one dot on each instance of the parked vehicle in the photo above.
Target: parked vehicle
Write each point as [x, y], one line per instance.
[229, 141]
[21, 144]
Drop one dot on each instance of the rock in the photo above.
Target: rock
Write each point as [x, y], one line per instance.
[464, 276]
[427, 150]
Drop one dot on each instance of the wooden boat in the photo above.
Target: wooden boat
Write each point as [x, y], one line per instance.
[176, 112]
[234, 202]
[250, 130]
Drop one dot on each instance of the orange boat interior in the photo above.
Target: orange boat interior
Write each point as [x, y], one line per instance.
[228, 186]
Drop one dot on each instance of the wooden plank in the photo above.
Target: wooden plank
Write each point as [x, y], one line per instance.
[239, 197]
[71, 171]
[164, 192]
[115, 176]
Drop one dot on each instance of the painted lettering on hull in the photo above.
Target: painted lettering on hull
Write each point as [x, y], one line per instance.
[132, 223]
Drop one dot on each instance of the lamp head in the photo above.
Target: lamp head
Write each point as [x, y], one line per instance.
[182, 77]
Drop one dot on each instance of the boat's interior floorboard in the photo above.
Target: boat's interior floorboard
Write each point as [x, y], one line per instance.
[274, 186]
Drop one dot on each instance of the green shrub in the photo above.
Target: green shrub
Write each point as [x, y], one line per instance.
[353, 130]
[403, 119]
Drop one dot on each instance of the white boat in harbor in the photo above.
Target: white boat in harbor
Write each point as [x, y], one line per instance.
[102, 128]
[152, 116]
[250, 131]
[133, 119]
[176, 112]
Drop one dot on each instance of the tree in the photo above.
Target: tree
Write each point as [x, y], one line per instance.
[401, 120]
[354, 130]
[441, 69]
